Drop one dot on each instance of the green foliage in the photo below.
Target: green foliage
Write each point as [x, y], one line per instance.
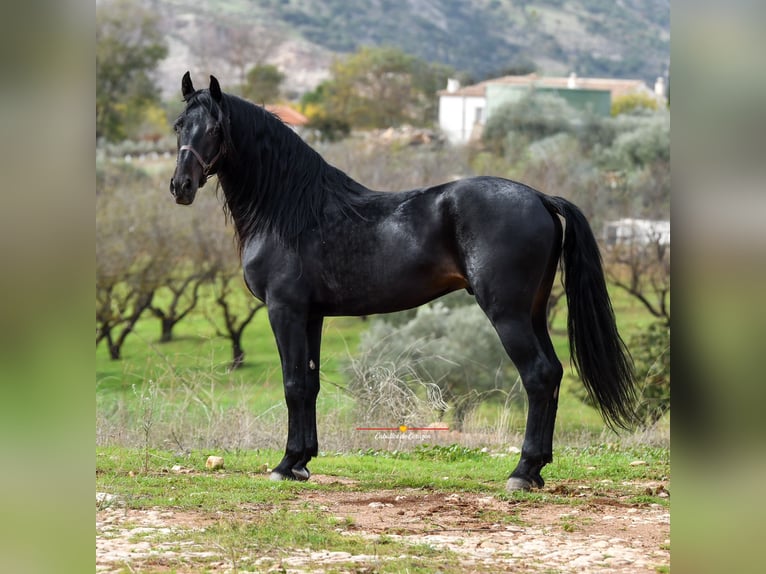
[640, 141]
[330, 128]
[380, 87]
[129, 45]
[623, 143]
[535, 116]
[651, 355]
[631, 102]
[610, 167]
[263, 84]
[113, 176]
[650, 350]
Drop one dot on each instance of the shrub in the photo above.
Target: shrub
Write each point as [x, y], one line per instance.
[630, 102]
[455, 349]
[641, 140]
[651, 355]
[532, 118]
[650, 350]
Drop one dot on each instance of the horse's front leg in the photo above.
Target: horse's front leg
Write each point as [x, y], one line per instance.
[311, 442]
[290, 331]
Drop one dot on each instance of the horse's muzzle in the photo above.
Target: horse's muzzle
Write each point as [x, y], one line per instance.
[184, 193]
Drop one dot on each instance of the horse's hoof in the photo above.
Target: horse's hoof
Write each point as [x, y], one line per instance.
[515, 483]
[301, 473]
[275, 476]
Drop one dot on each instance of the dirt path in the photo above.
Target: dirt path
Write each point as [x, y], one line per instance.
[593, 534]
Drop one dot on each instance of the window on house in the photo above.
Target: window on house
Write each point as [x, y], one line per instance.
[478, 116]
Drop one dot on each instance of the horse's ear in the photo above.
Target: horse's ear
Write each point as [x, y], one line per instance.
[215, 89]
[187, 89]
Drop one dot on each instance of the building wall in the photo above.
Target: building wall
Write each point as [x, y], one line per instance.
[458, 115]
[637, 231]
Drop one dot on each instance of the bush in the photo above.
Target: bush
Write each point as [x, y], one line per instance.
[651, 355]
[455, 349]
[631, 102]
[330, 128]
[642, 141]
[532, 118]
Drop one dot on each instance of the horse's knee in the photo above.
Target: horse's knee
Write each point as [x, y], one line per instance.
[294, 392]
[543, 379]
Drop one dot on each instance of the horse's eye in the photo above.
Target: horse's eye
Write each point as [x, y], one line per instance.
[178, 125]
[213, 130]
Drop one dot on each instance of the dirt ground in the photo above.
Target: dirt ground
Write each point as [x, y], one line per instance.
[599, 534]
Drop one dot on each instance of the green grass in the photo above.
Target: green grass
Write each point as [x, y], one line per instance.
[196, 347]
[192, 372]
[450, 468]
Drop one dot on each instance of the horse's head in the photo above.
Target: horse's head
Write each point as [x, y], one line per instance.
[201, 140]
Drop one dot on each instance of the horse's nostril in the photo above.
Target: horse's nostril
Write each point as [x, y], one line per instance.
[172, 187]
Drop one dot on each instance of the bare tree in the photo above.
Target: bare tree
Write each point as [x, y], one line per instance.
[249, 47]
[119, 305]
[642, 268]
[232, 307]
[239, 44]
[236, 310]
[127, 273]
[182, 243]
[184, 296]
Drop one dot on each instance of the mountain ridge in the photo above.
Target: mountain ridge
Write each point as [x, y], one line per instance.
[481, 38]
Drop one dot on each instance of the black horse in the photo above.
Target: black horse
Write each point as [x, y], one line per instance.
[316, 243]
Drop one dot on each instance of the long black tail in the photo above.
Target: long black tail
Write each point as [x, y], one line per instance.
[598, 353]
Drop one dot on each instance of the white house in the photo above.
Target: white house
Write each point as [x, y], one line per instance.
[461, 110]
[464, 110]
[637, 231]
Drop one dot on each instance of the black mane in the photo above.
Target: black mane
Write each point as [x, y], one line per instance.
[274, 182]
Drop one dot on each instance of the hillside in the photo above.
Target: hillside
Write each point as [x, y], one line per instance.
[618, 38]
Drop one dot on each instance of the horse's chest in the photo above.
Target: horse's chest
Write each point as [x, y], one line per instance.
[263, 266]
[256, 287]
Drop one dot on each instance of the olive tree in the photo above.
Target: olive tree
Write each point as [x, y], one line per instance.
[231, 308]
[128, 272]
[129, 46]
[183, 243]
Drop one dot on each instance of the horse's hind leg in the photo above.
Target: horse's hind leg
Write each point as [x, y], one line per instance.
[540, 326]
[541, 378]
[519, 319]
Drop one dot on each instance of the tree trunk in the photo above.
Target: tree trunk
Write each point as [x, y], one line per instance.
[238, 354]
[167, 330]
